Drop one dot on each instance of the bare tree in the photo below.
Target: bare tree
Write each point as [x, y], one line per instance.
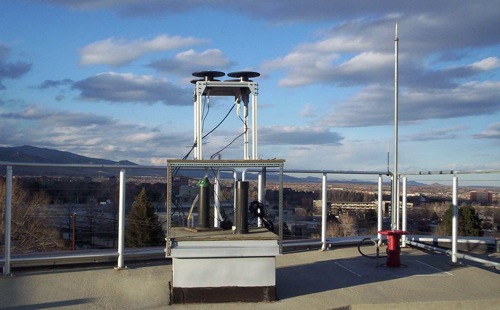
[31, 228]
[344, 226]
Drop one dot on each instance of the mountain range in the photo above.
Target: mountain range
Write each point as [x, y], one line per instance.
[28, 154]
[36, 155]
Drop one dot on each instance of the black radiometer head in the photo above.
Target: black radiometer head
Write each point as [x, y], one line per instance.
[208, 75]
[243, 76]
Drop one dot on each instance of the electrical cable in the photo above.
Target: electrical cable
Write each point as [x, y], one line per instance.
[220, 123]
[375, 242]
[237, 137]
[228, 145]
[176, 170]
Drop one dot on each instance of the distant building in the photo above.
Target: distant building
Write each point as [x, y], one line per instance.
[482, 197]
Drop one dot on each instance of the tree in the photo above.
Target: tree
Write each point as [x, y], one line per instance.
[31, 225]
[143, 227]
[469, 223]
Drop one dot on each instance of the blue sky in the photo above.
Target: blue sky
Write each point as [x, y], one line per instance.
[110, 79]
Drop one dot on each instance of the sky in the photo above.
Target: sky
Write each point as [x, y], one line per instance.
[111, 79]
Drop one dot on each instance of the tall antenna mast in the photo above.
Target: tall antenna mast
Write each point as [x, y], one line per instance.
[395, 179]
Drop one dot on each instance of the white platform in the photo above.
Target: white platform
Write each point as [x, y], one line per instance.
[221, 259]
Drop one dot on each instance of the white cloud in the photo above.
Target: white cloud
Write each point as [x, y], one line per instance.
[90, 134]
[486, 64]
[10, 69]
[118, 52]
[127, 87]
[308, 111]
[298, 135]
[366, 62]
[491, 132]
[186, 62]
[437, 134]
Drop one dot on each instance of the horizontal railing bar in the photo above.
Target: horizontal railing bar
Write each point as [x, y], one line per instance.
[337, 172]
[321, 171]
[449, 172]
[314, 171]
[83, 257]
[15, 164]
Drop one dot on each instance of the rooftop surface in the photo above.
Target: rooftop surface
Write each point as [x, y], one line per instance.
[336, 279]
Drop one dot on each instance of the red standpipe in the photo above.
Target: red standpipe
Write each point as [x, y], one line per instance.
[393, 246]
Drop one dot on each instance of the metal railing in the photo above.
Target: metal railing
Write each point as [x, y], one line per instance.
[120, 253]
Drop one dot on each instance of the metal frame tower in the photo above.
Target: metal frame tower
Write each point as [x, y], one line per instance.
[242, 89]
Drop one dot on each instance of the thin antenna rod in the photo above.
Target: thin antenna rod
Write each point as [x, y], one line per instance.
[388, 159]
[395, 193]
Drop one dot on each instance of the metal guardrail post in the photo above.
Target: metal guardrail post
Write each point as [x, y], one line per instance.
[398, 213]
[324, 206]
[8, 221]
[121, 222]
[379, 209]
[403, 219]
[454, 222]
[217, 207]
[260, 195]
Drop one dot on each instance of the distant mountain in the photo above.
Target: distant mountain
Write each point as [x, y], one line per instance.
[32, 154]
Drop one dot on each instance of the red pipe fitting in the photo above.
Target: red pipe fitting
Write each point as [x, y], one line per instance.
[393, 246]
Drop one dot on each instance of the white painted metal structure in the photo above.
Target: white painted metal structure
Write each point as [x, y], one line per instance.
[454, 221]
[405, 204]
[243, 90]
[324, 213]
[379, 209]
[395, 179]
[121, 221]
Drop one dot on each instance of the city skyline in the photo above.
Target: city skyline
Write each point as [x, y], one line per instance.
[111, 79]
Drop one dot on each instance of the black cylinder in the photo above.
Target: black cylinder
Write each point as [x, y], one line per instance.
[241, 217]
[204, 203]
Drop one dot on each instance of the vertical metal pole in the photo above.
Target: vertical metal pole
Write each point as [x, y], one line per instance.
[403, 220]
[454, 221]
[260, 194]
[8, 220]
[121, 221]
[280, 209]
[195, 123]
[217, 218]
[168, 208]
[398, 209]
[380, 213]
[199, 138]
[324, 213]
[235, 179]
[254, 126]
[245, 128]
[395, 198]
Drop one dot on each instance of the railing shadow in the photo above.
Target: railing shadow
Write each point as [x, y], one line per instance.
[54, 304]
